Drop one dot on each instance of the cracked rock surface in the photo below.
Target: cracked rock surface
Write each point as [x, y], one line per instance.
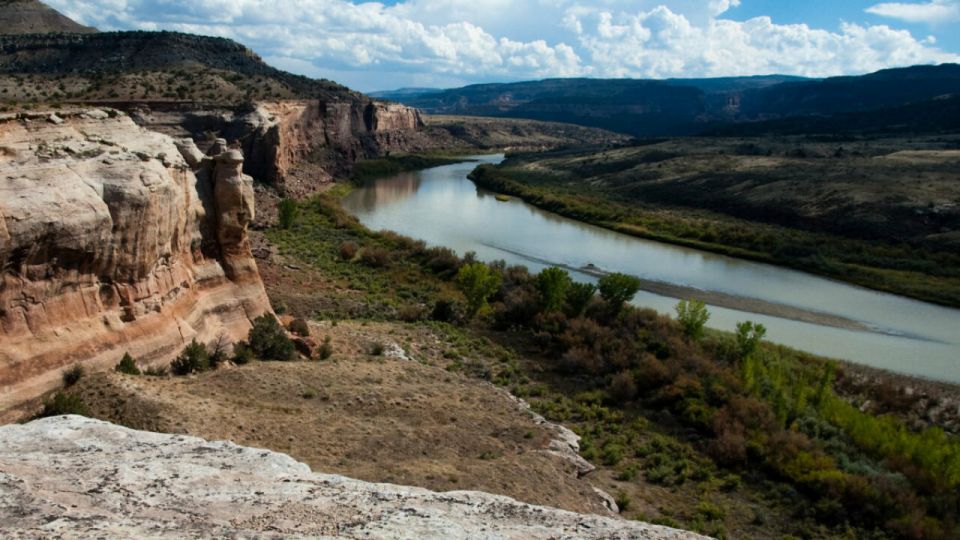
[76, 477]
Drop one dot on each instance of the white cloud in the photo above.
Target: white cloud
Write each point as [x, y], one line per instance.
[461, 41]
[933, 12]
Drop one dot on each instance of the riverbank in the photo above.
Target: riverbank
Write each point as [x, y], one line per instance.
[656, 451]
[596, 187]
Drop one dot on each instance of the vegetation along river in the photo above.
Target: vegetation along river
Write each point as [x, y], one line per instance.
[443, 207]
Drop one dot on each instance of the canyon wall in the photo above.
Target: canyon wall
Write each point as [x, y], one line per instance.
[296, 145]
[113, 240]
[279, 135]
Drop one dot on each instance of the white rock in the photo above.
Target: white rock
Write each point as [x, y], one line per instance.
[72, 477]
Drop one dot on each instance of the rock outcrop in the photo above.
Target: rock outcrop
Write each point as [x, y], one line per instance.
[77, 477]
[278, 135]
[112, 241]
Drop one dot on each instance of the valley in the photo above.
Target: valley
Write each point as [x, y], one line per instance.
[240, 301]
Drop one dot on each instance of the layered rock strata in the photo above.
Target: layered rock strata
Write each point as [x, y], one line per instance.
[77, 477]
[112, 241]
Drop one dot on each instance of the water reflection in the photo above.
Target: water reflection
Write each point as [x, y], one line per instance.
[442, 207]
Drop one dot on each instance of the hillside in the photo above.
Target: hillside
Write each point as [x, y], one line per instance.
[126, 66]
[34, 17]
[690, 106]
[881, 213]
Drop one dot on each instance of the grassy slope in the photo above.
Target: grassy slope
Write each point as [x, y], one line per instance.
[653, 455]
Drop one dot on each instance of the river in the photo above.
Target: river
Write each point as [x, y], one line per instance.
[444, 208]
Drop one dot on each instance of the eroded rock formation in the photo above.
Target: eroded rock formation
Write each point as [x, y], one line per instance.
[277, 135]
[99, 479]
[112, 241]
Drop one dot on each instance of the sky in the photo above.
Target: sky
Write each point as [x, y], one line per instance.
[448, 43]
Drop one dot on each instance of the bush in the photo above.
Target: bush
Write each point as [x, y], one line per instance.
[442, 261]
[299, 327]
[193, 359]
[579, 296]
[348, 250]
[127, 365]
[64, 404]
[326, 350]
[375, 257]
[268, 340]
[376, 349]
[623, 501]
[618, 289]
[478, 282]
[242, 354]
[287, 213]
[160, 371]
[73, 375]
[749, 335]
[553, 284]
[692, 316]
[622, 388]
[445, 311]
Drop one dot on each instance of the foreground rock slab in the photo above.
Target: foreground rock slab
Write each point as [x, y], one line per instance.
[77, 477]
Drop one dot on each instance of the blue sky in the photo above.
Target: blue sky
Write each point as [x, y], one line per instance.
[384, 45]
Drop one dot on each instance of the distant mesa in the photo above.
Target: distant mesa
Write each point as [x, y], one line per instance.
[33, 17]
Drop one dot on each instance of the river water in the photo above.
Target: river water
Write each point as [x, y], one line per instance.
[444, 208]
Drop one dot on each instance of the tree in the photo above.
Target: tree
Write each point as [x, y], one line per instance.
[477, 281]
[193, 359]
[288, 213]
[692, 316]
[749, 335]
[618, 289]
[268, 340]
[579, 297]
[553, 284]
[127, 365]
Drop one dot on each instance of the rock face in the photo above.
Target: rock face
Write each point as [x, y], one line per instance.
[77, 477]
[112, 241]
[276, 135]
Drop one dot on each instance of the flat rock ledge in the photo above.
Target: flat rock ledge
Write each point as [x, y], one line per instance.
[71, 476]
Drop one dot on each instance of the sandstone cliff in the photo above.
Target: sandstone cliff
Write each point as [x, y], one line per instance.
[76, 477]
[279, 135]
[112, 241]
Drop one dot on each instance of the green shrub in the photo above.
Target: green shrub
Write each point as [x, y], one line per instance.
[287, 213]
[579, 296]
[623, 501]
[627, 473]
[72, 375]
[299, 327]
[160, 371]
[710, 511]
[478, 282]
[376, 349]
[618, 289]
[64, 404]
[553, 284]
[193, 359]
[242, 353]
[748, 337]
[268, 340]
[692, 316]
[127, 365]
